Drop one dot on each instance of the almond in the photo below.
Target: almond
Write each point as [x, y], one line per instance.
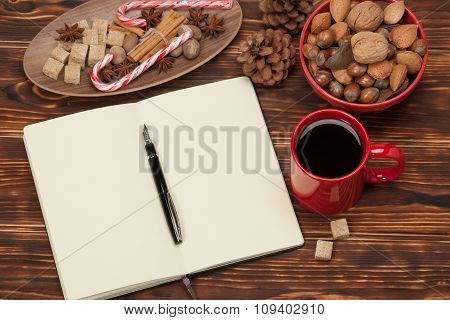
[321, 22]
[398, 75]
[340, 30]
[404, 35]
[342, 76]
[411, 60]
[339, 9]
[380, 70]
[393, 13]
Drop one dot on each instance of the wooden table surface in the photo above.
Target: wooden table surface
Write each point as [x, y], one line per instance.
[400, 245]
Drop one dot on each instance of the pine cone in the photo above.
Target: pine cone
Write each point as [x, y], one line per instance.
[266, 56]
[287, 14]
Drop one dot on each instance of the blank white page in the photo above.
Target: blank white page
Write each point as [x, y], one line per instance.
[230, 213]
[103, 216]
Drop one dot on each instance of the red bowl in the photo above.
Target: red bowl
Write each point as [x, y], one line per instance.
[408, 18]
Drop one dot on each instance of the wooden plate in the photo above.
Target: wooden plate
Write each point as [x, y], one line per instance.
[41, 46]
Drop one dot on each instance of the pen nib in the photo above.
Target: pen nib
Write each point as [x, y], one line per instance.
[146, 134]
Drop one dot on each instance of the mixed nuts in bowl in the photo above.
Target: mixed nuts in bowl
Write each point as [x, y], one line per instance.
[363, 56]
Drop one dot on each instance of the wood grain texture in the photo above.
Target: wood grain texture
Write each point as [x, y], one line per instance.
[400, 247]
[39, 50]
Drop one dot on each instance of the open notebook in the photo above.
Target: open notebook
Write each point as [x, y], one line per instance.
[104, 219]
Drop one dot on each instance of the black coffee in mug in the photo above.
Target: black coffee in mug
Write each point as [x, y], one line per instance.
[329, 148]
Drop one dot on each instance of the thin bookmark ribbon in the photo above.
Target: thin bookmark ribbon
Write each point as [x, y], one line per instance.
[188, 285]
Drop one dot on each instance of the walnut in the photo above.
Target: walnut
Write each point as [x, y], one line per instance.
[369, 47]
[366, 16]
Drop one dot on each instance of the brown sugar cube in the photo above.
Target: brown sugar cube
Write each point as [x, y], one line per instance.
[115, 38]
[52, 68]
[65, 45]
[96, 53]
[72, 74]
[60, 54]
[83, 24]
[102, 38]
[90, 36]
[78, 54]
[339, 229]
[324, 250]
[100, 25]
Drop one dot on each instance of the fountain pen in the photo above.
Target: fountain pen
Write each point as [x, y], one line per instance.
[160, 182]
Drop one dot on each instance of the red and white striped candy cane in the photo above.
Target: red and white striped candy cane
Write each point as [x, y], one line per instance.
[166, 4]
[113, 86]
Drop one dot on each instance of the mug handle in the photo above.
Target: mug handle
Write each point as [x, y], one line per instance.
[378, 175]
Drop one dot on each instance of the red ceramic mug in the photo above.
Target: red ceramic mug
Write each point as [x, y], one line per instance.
[334, 195]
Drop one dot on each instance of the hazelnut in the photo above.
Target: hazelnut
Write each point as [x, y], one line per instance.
[381, 84]
[351, 92]
[310, 51]
[336, 89]
[342, 76]
[369, 95]
[392, 50]
[191, 49]
[323, 77]
[419, 46]
[333, 50]
[356, 69]
[312, 39]
[119, 55]
[313, 67]
[384, 32]
[325, 39]
[365, 81]
[322, 56]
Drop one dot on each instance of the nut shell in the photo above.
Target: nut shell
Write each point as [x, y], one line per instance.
[339, 9]
[369, 95]
[366, 16]
[191, 49]
[398, 76]
[404, 35]
[321, 22]
[380, 70]
[369, 47]
[340, 30]
[393, 13]
[411, 60]
[342, 76]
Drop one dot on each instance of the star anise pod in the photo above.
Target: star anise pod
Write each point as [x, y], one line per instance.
[70, 33]
[197, 17]
[125, 68]
[165, 64]
[152, 16]
[213, 27]
[107, 74]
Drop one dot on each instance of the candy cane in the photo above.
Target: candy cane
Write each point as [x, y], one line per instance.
[166, 4]
[113, 86]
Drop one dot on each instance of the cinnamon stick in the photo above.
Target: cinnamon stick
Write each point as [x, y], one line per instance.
[135, 30]
[168, 27]
[117, 28]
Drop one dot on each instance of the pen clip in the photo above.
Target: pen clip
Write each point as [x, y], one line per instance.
[175, 215]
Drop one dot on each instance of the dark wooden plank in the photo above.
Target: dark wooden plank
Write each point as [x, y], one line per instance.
[399, 248]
